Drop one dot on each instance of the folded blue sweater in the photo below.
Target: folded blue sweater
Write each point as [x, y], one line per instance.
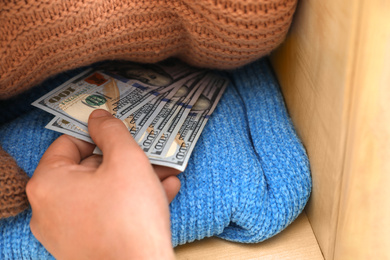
[247, 179]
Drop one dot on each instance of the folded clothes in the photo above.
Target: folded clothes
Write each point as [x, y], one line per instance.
[248, 177]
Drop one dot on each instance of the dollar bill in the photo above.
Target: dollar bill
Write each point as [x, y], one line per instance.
[62, 126]
[161, 118]
[165, 132]
[134, 122]
[77, 98]
[179, 151]
[151, 131]
[143, 118]
[168, 134]
[109, 89]
[165, 77]
[165, 106]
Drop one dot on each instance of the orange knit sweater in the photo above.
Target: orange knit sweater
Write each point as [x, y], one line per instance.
[41, 38]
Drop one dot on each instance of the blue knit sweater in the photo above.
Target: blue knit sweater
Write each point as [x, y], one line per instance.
[248, 177]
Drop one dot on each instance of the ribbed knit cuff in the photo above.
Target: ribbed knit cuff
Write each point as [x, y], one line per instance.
[13, 180]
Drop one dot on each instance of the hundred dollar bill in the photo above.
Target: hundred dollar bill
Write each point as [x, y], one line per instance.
[179, 151]
[141, 119]
[133, 122]
[77, 98]
[109, 89]
[160, 119]
[152, 130]
[155, 142]
[165, 77]
[62, 126]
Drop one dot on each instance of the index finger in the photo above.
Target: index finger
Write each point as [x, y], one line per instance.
[65, 150]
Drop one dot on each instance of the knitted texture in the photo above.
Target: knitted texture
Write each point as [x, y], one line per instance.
[247, 179]
[42, 38]
[13, 182]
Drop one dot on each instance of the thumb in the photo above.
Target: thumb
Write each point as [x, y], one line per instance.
[111, 135]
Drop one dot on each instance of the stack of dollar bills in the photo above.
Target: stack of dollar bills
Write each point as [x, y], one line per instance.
[165, 106]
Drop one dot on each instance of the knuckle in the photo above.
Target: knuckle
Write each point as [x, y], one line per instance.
[35, 191]
[30, 188]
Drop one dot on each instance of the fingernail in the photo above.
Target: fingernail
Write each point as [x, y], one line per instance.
[99, 113]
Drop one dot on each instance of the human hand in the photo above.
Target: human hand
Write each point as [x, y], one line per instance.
[86, 206]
